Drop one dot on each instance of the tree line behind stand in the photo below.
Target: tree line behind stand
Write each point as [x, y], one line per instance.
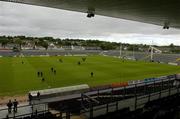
[103, 45]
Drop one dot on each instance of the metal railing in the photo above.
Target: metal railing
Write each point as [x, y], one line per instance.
[133, 96]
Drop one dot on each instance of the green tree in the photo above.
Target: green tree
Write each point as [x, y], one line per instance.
[19, 42]
[4, 41]
[43, 44]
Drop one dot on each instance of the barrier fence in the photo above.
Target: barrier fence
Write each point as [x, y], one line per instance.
[103, 101]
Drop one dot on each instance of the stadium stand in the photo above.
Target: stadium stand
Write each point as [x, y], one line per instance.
[163, 58]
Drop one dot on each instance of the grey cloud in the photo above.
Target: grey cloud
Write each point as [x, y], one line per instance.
[18, 19]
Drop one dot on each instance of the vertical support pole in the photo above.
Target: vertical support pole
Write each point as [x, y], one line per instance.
[68, 116]
[14, 115]
[169, 87]
[32, 108]
[107, 108]
[154, 84]
[161, 89]
[60, 116]
[111, 94]
[91, 111]
[98, 93]
[135, 91]
[117, 106]
[162, 85]
[135, 96]
[82, 100]
[151, 53]
[149, 95]
[120, 50]
[145, 88]
[178, 87]
[124, 92]
[46, 108]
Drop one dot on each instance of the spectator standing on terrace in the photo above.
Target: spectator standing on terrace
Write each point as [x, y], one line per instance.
[15, 104]
[38, 95]
[30, 98]
[9, 105]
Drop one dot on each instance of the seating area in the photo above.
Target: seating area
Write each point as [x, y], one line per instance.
[165, 108]
[47, 115]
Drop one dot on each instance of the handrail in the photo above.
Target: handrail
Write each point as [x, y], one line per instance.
[88, 94]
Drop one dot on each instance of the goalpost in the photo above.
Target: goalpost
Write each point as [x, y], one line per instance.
[154, 50]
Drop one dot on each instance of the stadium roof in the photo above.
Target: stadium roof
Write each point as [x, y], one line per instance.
[158, 12]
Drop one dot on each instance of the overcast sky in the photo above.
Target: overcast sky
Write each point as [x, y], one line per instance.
[19, 19]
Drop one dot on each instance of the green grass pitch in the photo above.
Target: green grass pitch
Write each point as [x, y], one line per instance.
[17, 78]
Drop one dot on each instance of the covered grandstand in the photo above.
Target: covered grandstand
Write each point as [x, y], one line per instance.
[144, 56]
